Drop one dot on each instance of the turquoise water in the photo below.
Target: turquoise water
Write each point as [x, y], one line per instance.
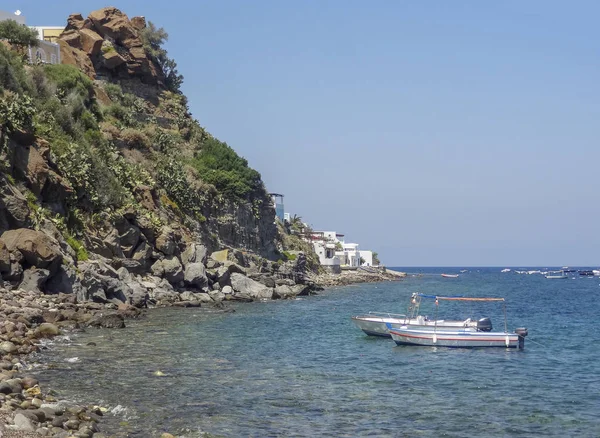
[300, 368]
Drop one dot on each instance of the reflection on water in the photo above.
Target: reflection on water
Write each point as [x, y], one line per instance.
[300, 368]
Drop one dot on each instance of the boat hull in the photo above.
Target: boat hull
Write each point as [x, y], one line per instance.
[378, 325]
[453, 338]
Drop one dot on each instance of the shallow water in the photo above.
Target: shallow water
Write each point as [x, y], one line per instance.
[301, 368]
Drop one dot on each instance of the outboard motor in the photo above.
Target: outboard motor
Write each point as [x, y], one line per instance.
[484, 325]
[522, 332]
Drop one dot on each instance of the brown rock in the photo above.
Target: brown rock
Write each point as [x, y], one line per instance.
[112, 59]
[38, 249]
[75, 22]
[91, 42]
[72, 38]
[32, 163]
[139, 23]
[101, 96]
[111, 22]
[76, 57]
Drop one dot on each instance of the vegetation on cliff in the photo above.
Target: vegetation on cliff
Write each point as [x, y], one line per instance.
[118, 143]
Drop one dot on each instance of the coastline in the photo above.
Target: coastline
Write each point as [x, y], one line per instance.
[27, 318]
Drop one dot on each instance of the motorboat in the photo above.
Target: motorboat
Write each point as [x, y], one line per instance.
[505, 270]
[450, 275]
[561, 275]
[586, 273]
[376, 323]
[462, 337]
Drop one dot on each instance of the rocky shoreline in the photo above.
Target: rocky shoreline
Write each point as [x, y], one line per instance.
[27, 318]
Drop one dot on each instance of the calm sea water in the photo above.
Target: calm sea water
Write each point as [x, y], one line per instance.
[300, 368]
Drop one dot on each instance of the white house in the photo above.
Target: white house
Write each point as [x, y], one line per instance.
[349, 255]
[324, 245]
[367, 257]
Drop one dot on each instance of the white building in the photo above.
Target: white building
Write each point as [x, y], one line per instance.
[47, 51]
[324, 243]
[367, 257]
[349, 255]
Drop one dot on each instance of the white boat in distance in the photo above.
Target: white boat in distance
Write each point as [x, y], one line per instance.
[376, 323]
[505, 270]
[480, 336]
[561, 276]
[450, 275]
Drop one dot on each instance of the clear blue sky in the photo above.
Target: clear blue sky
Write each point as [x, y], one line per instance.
[436, 133]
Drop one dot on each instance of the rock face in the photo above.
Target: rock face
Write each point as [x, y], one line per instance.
[247, 286]
[38, 249]
[108, 43]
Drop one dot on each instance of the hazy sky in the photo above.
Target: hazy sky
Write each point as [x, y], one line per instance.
[437, 133]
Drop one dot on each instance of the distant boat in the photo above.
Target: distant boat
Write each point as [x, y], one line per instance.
[561, 276]
[505, 270]
[586, 273]
[463, 271]
[450, 275]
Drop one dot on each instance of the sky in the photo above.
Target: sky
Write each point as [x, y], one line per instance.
[437, 133]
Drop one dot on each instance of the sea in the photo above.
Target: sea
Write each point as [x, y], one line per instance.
[300, 368]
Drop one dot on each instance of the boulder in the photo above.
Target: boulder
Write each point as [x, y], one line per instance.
[34, 280]
[223, 276]
[107, 320]
[14, 211]
[38, 249]
[285, 291]
[46, 329]
[195, 275]
[139, 23]
[111, 59]
[23, 423]
[65, 280]
[72, 38]
[170, 268]
[194, 253]
[4, 258]
[166, 242]
[233, 267]
[8, 347]
[227, 290]
[76, 57]
[203, 297]
[91, 42]
[112, 23]
[75, 22]
[254, 289]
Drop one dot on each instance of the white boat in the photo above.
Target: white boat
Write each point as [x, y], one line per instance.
[376, 323]
[479, 336]
[505, 270]
[561, 276]
[450, 275]
[454, 338]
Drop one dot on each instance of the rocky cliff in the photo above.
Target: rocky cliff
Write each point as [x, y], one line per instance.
[111, 191]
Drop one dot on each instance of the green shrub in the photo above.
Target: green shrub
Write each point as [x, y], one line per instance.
[153, 39]
[12, 72]
[134, 138]
[289, 256]
[120, 113]
[82, 254]
[219, 165]
[68, 79]
[18, 34]
[114, 91]
[172, 177]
